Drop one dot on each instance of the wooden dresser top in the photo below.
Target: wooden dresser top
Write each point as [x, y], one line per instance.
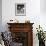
[19, 23]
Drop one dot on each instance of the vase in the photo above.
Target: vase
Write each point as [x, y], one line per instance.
[41, 43]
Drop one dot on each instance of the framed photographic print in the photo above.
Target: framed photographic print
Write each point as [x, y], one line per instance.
[20, 9]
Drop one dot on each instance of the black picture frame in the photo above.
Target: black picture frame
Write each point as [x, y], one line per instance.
[20, 9]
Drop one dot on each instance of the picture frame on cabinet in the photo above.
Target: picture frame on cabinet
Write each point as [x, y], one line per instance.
[20, 9]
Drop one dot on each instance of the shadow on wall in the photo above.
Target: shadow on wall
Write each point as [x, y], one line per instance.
[0, 15]
[43, 6]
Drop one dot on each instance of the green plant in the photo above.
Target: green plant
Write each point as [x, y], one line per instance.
[40, 34]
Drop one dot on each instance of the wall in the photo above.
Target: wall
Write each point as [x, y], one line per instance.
[43, 14]
[43, 6]
[33, 13]
[0, 15]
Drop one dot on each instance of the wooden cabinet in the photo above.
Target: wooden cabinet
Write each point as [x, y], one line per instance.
[22, 33]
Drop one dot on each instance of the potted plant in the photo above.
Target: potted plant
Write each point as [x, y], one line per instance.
[41, 36]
